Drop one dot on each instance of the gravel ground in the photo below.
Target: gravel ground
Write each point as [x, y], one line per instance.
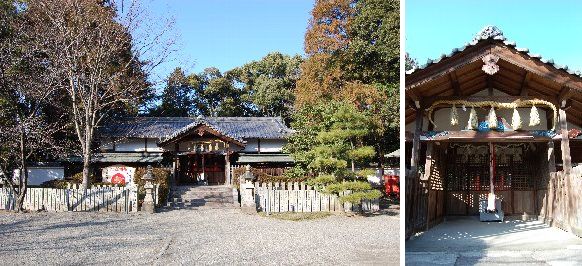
[219, 236]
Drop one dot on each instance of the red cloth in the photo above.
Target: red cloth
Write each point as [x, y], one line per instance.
[392, 185]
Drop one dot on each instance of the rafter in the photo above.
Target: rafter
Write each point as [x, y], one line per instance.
[455, 83]
[565, 94]
[524, 84]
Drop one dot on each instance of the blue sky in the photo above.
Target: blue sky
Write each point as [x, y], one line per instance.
[227, 33]
[550, 28]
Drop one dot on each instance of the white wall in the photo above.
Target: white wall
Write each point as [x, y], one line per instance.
[266, 145]
[130, 145]
[153, 146]
[272, 145]
[252, 146]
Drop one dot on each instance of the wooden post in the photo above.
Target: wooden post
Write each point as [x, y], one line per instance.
[204, 178]
[566, 165]
[428, 161]
[227, 168]
[427, 167]
[551, 158]
[174, 170]
[491, 167]
[416, 142]
[178, 173]
[414, 205]
[565, 143]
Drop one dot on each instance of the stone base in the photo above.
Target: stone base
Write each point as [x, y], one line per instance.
[148, 207]
[485, 216]
[249, 209]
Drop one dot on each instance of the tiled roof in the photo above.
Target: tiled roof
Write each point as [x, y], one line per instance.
[492, 33]
[121, 157]
[165, 128]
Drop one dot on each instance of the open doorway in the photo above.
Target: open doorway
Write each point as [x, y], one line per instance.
[199, 169]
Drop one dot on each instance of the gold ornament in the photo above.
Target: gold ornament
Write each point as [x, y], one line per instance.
[454, 116]
[492, 118]
[515, 120]
[473, 120]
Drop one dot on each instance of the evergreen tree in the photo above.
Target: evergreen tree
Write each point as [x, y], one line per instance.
[269, 83]
[353, 49]
[215, 95]
[176, 97]
[326, 141]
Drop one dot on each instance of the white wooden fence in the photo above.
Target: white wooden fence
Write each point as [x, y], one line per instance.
[298, 197]
[97, 198]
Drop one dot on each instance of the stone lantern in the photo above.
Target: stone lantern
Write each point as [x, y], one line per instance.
[247, 190]
[148, 202]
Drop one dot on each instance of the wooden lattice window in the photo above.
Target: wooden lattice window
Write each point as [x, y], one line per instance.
[467, 167]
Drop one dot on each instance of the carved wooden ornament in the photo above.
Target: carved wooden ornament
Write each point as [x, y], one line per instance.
[490, 66]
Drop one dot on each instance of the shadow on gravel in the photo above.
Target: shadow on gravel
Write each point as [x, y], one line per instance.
[385, 212]
[82, 224]
[7, 227]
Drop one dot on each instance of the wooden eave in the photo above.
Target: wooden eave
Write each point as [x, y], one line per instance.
[476, 136]
[202, 128]
[519, 75]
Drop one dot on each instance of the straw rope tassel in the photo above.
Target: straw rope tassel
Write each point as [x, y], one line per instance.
[516, 120]
[454, 116]
[473, 120]
[492, 118]
[534, 116]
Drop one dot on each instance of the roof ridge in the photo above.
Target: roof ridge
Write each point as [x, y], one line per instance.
[494, 34]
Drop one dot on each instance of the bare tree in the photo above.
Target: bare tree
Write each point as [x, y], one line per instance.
[93, 58]
[29, 118]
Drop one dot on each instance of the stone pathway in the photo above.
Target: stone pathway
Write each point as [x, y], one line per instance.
[190, 197]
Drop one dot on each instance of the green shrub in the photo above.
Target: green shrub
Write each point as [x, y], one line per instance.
[365, 172]
[107, 184]
[357, 197]
[295, 172]
[356, 186]
[55, 183]
[78, 178]
[334, 188]
[262, 177]
[321, 181]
